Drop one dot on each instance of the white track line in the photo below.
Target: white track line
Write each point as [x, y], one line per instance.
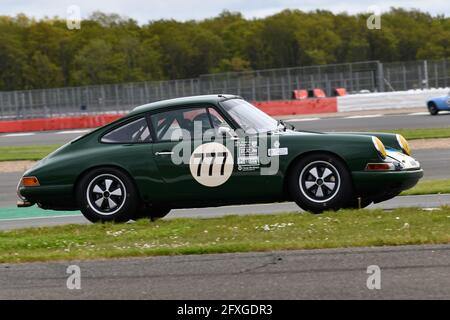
[72, 132]
[364, 116]
[303, 119]
[41, 217]
[19, 134]
[418, 114]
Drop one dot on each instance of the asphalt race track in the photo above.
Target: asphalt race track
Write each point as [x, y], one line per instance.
[434, 161]
[411, 272]
[36, 138]
[373, 122]
[424, 201]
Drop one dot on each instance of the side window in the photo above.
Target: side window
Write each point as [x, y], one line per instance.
[179, 124]
[217, 119]
[136, 131]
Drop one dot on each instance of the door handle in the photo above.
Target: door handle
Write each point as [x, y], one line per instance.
[163, 153]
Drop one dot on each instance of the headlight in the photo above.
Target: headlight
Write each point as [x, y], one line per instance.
[379, 146]
[403, 144]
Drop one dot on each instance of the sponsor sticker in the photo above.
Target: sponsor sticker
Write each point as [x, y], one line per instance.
[277, 152]
[247, 155]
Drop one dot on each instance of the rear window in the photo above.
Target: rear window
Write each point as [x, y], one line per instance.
[136, 131]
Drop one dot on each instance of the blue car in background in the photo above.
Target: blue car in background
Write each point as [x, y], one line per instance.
[439, 104]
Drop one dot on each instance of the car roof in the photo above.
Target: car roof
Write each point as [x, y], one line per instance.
[212, 99]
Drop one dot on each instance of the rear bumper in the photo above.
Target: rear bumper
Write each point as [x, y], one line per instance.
[24, 204]
[47, 197]
[367, 183]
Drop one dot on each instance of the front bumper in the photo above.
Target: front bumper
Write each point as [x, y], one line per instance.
[366, 182]
[404, 174]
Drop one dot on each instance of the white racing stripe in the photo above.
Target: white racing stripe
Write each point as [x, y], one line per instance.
[364, 116]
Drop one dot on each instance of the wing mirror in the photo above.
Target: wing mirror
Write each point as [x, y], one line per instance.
[224, 131]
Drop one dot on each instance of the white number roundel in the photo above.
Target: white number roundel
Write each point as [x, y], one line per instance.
[211, 164]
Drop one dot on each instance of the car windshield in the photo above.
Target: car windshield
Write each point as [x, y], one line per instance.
[248, 117]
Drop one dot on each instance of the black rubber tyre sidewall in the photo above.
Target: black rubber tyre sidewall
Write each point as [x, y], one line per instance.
[432, 108]
[128, 209]
[153, 213]
[338, 201]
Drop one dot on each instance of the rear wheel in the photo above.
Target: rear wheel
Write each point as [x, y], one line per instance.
[107, 194]
[320, 182]
[432, 108]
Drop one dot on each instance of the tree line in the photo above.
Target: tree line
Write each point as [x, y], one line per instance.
[110, 48]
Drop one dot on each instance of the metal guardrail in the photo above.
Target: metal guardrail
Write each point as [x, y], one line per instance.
[260, 85]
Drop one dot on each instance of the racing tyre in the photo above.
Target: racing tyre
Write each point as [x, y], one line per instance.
[320, 182]
[107, 194]
[433, 109]
[153, 213]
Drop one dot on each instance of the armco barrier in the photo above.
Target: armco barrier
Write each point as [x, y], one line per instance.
[274, 108]
[388, 100]
[293, 107]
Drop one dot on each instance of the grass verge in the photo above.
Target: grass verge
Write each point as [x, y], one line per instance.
[36, 152]
[348, 228]
[429, 187]
[425, 133]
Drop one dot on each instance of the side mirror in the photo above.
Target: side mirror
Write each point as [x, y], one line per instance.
[224, 131]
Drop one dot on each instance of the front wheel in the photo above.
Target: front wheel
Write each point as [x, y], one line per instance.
[107, 194]
[320, 182]
[433, 109]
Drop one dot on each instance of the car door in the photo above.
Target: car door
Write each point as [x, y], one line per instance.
[202, 165]
[174, 141]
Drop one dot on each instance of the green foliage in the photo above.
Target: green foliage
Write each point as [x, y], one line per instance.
[112, 49]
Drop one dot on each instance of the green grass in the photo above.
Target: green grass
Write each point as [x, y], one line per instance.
[35, 152]
[347, 228]
[426, 133]
[429, 187]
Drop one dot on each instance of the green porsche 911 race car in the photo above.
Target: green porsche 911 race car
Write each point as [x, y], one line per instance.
[215, 150]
